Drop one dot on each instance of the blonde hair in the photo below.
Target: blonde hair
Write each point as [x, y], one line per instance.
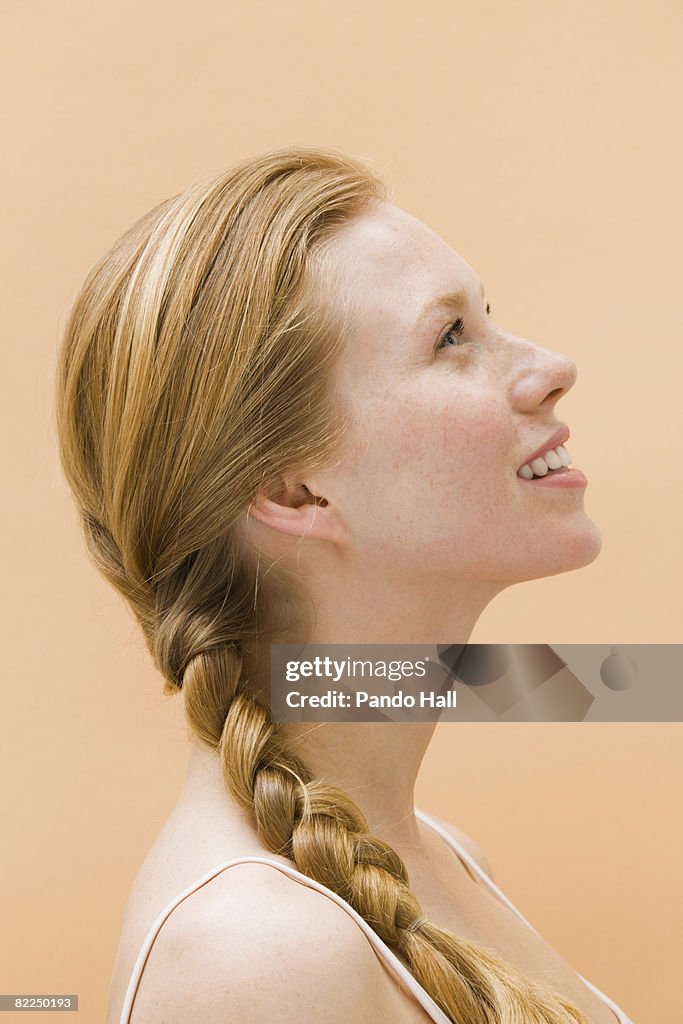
[196, 370]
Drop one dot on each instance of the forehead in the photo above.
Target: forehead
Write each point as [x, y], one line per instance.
[393, 266]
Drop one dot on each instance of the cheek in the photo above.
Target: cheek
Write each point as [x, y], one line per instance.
[462, 436]
[427, 484]
[433, 450]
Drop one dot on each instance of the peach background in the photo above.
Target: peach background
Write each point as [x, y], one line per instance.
[540, 140]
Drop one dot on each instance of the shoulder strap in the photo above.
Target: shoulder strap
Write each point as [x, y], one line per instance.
[462, 852]
[422, 996]
[146, 947]
[470, 861]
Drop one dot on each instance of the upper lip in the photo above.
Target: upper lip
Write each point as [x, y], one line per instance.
[559, 437]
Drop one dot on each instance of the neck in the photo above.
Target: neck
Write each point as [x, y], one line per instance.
[375, 763]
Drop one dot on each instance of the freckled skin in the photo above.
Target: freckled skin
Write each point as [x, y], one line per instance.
[426, 519]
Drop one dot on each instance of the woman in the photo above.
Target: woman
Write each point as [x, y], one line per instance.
[278, 429]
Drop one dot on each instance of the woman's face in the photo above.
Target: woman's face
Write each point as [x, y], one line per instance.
[427, 482]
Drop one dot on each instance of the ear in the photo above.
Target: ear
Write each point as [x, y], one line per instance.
[295, 511]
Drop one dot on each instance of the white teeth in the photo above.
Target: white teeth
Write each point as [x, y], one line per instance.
[554, 458]
[539, 466]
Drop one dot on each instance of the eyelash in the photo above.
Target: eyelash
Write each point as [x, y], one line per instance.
[457, 327]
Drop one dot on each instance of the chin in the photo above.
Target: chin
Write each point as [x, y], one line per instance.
[578, 547]
[572, 548]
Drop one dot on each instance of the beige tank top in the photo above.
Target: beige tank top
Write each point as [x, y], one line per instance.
[422, 996]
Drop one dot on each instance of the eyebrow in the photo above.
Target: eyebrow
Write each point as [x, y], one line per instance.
[456, 299]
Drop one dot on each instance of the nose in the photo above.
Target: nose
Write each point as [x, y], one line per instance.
[540, 377]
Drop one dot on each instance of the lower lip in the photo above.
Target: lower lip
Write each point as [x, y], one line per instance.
[562, 478]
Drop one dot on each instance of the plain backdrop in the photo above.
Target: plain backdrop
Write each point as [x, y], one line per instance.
[542, 141]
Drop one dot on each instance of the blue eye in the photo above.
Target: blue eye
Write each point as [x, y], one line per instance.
[456, 328]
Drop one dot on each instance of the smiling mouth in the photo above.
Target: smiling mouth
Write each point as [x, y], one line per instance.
[555, 460]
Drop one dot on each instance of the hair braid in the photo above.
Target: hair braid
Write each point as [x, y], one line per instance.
[196, 371]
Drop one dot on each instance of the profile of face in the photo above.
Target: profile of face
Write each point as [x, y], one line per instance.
[445, 407]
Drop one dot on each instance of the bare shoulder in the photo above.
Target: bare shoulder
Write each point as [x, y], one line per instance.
[256, 945]
[470, 845]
